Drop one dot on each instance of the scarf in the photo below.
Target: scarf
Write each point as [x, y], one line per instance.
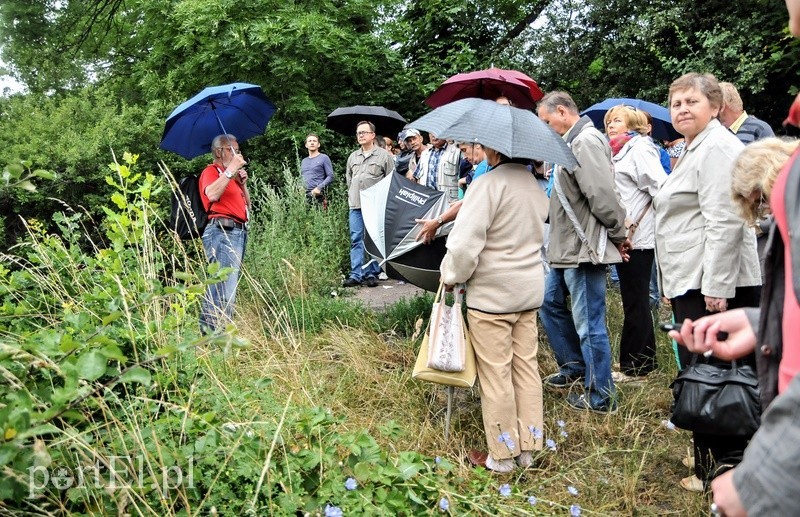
[617, 143]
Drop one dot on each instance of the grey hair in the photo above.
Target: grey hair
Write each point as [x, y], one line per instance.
[554, 99]
[222, 140]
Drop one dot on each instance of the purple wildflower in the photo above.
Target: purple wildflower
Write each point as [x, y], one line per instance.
[351, 484]
[572, 490]
[333, 511]
[550, 444]
[505, 490]
[532, 500]
[444, 504]
[575, 510]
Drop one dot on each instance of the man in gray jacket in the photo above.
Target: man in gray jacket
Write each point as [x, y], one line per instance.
[587, 232]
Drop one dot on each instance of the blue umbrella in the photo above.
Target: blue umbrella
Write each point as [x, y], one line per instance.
[240, 109]
[662, 122]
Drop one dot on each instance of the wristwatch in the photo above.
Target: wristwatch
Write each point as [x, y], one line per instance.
[229, 175]
[439, 221]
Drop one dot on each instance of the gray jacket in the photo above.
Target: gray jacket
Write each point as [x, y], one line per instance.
[591, 192]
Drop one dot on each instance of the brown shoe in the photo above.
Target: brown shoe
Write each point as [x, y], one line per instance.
[478, 458]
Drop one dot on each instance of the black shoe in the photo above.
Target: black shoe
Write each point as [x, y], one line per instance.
[351, 282]
[581, 403]
[560, 381]
[372, 281]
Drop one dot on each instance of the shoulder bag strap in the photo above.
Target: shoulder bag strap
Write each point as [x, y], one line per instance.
[594, 256]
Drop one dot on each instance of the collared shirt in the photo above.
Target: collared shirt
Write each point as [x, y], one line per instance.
[738, 122]
[364, 170]
[434, 157]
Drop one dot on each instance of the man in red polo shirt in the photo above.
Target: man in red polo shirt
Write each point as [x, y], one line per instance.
[223, 189]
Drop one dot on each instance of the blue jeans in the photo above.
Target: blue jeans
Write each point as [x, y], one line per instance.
[225, 246]
[655, 296]
[357, 252]
[577, 333]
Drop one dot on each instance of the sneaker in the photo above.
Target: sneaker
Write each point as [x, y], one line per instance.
[500, 466]
[581, 403]
[560, 381]
[525, 459]
[371, 281]
[351, 282]
[692, 484]
[623, 378]
[383, 276]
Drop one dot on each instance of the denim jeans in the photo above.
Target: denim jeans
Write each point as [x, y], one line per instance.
[577, 333]
[655, 295]
[225, 246]
[357, 252]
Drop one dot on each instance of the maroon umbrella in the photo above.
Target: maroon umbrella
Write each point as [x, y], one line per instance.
[490, 84]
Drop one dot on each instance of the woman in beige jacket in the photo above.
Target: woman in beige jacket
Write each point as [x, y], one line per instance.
[495, 248]
[706, 254]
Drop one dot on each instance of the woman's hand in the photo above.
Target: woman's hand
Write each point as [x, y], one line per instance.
[716, 304]
[701, 336]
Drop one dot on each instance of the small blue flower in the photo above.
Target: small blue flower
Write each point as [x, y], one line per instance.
[537, 433]
[444, 504]
[551, 444]
[351, 484]
[505, 490]
[561, 424]
[563, 434]
[575, 510]
[532, 500]
[572, 490]
[506, 439]
[438, 460]
[333, 511]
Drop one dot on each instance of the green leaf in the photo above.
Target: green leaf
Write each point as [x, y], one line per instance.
[91, 365]
[114, 316]
[119, 200]
[47, 175]
[136, 374]
[15, 170]
[27, 185]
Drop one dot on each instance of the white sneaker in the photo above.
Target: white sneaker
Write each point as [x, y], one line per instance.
[383, 276]
[501, 466]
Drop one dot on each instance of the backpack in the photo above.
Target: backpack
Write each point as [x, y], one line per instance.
[188, 216]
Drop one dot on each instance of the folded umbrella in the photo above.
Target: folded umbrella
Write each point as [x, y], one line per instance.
[662, 122]
[389, 208]
[514, 132]
[344, 120]
[240, 109]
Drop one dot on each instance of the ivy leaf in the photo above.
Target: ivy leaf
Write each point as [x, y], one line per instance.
[91, 365]
[136, 374]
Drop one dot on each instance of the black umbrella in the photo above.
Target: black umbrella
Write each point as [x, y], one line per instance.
[389, 208]
[345, 120]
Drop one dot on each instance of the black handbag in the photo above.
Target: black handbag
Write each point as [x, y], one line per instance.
[720, 399]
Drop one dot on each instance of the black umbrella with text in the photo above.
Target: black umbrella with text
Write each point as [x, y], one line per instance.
[389, 208]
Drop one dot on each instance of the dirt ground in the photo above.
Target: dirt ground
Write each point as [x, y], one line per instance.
[387, 293]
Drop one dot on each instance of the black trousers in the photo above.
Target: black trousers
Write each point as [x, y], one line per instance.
[713, 454]
[637, 346]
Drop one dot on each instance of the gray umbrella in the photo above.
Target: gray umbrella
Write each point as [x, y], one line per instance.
[511, 131]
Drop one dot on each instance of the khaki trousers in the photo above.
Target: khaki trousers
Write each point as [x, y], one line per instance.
[511, 388]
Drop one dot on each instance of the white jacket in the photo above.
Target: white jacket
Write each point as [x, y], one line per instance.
[638, 174]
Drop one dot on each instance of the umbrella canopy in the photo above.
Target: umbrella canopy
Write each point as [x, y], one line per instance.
[662, 122]
[488, 84]
[389, 208]
[240, 109]
[511, 131]
[344, 120]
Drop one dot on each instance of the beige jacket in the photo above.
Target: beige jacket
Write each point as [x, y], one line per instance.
[591, 192]
[701, 242]
[495, 245]
[364, 170]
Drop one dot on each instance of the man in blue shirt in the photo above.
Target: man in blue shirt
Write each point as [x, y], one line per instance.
[316, 169]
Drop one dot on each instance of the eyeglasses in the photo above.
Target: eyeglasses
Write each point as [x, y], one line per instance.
[362, 133]
[233, 151]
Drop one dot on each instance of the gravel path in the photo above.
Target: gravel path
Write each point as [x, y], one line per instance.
[387, 293]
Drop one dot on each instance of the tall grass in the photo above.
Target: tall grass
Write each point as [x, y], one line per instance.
[100, 358]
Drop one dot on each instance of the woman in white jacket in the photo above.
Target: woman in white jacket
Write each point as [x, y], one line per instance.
[638, 174]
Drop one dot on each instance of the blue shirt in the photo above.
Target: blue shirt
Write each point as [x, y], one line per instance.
[480, 169]
[317, 171]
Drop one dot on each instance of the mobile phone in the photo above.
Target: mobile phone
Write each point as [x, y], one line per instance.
[666, 327]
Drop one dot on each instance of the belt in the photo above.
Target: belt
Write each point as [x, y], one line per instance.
[227, 223]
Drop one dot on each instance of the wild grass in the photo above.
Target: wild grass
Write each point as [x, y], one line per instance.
[322, 391]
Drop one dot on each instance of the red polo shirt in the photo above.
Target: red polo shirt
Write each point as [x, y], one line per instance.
[232, 204]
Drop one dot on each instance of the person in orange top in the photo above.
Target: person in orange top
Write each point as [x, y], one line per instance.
[223, 189]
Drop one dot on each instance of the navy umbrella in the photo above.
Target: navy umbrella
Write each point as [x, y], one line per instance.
[240, 109]
[662, 122]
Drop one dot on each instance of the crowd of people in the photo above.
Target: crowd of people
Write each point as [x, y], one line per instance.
[697, 210]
